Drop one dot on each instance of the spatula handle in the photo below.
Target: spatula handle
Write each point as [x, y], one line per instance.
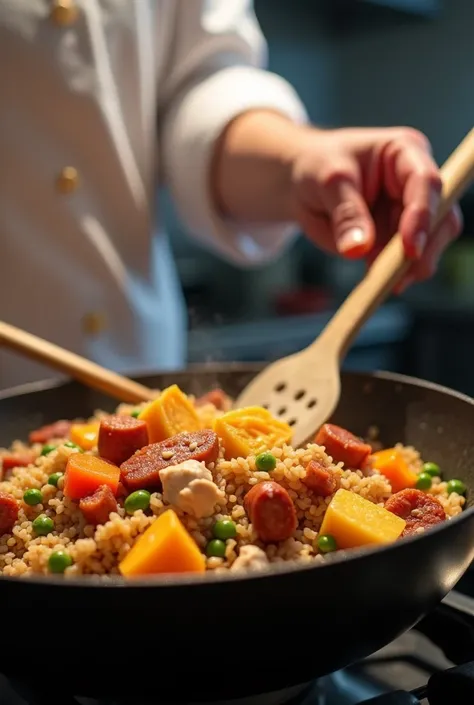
[78, 367]
[457, 173]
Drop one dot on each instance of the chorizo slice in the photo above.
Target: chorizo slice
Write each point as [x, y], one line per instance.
[59, 429]
[97, 507]
[120, 436]
[343, 446]
[271, 511]
[8, 513]
[420, 510]
[321, 480]
[142, 470]
[217, 397]
[17, 460]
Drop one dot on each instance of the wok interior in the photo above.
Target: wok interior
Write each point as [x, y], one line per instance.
[436, 421]
[381, 606]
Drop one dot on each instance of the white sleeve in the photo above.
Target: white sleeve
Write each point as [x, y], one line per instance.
[214, 75]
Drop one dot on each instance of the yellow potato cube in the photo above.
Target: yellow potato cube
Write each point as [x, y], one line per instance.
[354, 521]
[85, 435]
[170, 414]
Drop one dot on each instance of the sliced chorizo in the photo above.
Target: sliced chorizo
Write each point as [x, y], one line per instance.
[97, 507]
[58, 429]
[343, 446]
[420, 510]
[271, 511]
[17, 460]
[321, 480]
[120, 436]
[217, 397]
[8, 513]
[142, 470]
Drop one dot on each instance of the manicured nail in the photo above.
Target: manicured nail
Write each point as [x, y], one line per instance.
[419, 243]
[352, 242]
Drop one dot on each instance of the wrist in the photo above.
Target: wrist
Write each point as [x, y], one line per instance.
[253, 166]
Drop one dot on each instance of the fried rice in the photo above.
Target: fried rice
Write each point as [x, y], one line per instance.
[98, 550]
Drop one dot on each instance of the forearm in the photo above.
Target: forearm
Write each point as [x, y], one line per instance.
[251, 170]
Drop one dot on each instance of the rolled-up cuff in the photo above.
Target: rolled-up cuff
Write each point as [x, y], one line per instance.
[190, 133]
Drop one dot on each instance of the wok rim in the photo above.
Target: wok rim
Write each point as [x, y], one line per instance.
[209, 578]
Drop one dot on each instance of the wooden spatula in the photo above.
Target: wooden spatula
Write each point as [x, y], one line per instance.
[303, 389]
[91, 374]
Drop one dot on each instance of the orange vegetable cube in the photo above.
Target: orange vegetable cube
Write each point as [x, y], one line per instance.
[85, 435]
[165, 547]
[391, 463]
[85, 473]
[170, 414]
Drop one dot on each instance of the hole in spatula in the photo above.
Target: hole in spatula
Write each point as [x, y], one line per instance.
[281, 411]
[280, 387]
[311, 403]
[299, 395]
[291, 422]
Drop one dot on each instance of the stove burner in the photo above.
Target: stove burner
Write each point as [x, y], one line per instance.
[397, 698]
[454, 685]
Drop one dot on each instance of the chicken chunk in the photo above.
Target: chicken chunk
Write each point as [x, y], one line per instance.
[250, 558]
[189, 486]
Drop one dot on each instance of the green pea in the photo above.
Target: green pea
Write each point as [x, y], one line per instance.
[137, 500]
[424, 481]
[432, 469]
[135, 413]
[327, 543]
[43, 525]
[74, 446]
[224, 529]
[216, 548]
[59, 561]
[32, 497]
[457, 486]
[54, 478]
[265, 462]
[47, 449]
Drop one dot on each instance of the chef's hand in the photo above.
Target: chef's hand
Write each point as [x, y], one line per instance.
[350, 189]
[354, 188]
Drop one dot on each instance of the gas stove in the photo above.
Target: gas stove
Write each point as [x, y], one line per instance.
[432, 664]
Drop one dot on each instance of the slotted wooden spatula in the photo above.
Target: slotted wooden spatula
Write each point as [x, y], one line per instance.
[303, 389]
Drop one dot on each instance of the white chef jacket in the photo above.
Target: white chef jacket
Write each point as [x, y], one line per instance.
[101, 100]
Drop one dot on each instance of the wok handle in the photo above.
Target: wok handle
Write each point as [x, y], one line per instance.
[87, 372]
[388, 269]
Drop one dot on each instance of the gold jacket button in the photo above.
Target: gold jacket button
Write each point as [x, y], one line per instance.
[94, 323]
[68, 180]
[64, 13]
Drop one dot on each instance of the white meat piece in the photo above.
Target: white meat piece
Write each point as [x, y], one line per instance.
[250, 558]
[189, 486]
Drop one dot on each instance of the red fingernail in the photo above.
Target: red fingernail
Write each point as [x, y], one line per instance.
[353, 243]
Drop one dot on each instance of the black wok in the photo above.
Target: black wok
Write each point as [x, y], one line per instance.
[224, 637]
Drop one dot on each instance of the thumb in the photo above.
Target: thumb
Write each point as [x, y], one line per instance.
[352, 226]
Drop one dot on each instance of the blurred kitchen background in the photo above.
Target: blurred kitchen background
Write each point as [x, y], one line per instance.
[354, 62]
